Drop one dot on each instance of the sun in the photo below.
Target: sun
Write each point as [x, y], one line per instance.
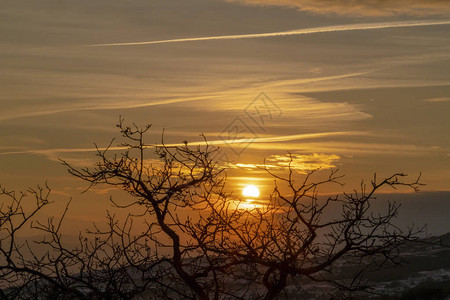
[250, 191]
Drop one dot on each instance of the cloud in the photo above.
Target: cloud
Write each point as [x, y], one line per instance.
[351, 148]
[303, 31]
[277, 139]
[269, 139]
[98, 106]
[301, 163]
[361, 7]
[443, 99]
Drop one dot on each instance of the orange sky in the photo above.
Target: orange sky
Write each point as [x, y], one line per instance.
[365, 88]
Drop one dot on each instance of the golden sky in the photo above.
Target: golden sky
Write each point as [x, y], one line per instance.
[361, 85]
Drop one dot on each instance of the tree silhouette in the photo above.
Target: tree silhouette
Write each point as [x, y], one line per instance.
[198, 243]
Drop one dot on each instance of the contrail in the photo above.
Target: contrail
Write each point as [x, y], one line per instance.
[335, 28]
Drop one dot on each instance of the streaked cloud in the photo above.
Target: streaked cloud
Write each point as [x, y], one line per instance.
[361, 7]
[52, 152]
[351, 148]
[334, 148]
[99, 106]
[277, 139]
[443, 99]
[301, 163]
[303, 31]
[270, 139]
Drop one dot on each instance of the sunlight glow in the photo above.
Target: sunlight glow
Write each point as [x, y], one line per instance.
[248, 205]
[250, 191]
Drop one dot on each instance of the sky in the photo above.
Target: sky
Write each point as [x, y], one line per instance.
[362, 85]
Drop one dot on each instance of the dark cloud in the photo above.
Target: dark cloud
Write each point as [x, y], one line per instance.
[362, 7]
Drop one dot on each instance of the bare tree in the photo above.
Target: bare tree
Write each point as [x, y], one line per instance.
[197, 242]
[291, 239]
[106, 264]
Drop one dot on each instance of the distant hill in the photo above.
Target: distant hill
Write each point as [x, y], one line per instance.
[425, 275]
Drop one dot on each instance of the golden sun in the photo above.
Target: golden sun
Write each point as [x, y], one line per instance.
[250, 191]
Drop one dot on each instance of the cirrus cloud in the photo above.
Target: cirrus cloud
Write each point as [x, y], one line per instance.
[362, 7]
